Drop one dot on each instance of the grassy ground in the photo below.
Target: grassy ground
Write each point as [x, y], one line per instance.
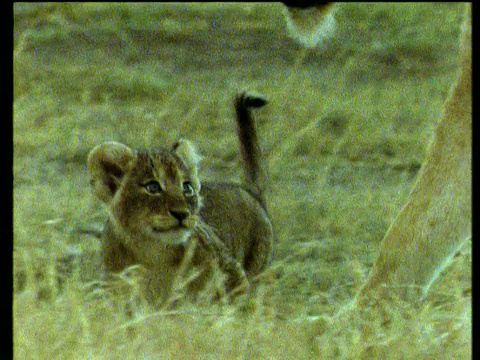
[344, 134]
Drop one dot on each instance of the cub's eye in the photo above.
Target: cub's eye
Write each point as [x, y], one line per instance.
[153, 187]
[188, 189]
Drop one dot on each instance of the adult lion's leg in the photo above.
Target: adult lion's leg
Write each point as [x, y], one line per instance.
[436, 220]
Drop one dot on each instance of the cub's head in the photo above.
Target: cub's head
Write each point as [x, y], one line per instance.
[151, 195]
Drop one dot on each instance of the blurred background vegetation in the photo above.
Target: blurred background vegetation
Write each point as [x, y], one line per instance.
[343, 136]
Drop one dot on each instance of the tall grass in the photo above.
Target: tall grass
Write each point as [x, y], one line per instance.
[343, 136]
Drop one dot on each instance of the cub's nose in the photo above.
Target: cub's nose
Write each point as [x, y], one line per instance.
[179, 215]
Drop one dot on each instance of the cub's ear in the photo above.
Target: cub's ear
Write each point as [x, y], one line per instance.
[107, 164]
[187, 152]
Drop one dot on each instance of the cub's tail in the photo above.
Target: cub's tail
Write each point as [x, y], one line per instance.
[247, 134]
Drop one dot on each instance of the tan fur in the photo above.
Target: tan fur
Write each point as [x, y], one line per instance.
[436, 219]
[313, 25]
[159, 212]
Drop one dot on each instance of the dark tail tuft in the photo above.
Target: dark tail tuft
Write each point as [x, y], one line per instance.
[247, 133]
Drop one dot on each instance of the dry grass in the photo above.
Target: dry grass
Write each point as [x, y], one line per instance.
[344, 134]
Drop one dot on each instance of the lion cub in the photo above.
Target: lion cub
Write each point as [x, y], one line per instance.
[158, 210]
